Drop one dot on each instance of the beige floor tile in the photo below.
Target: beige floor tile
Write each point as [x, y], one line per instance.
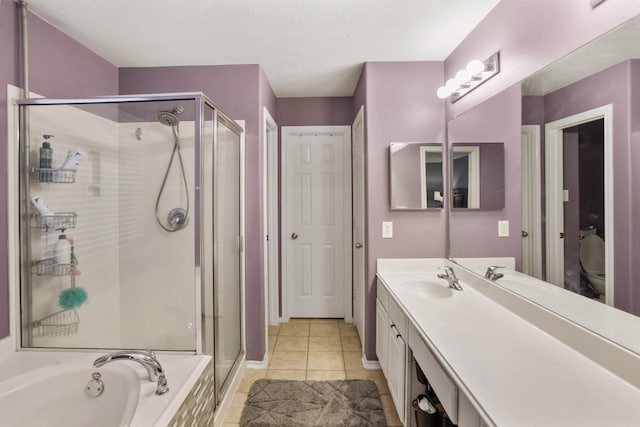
[351, 344]
[299, 320]
[272, 342]
[353, 361]
[249, 377]
[294, 329]
[375, 376]
[235, 409]
[390, 411]
[324, 321]
[325, 361]
[273, 330]
[230, 425]
[324, 330]
[292, 343]
[348, 330]
[325, 343]
[277, 374]
[326, 375]
[289, 360]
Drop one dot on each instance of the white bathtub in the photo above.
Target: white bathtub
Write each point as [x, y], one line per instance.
[39, 388]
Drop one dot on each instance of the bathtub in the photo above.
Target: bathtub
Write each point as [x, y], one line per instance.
[46, 388]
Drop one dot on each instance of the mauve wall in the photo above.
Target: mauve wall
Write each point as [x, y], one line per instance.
[400, 106]
[328, 111]
[611, 86]
[475, 232]
[633, 297]
[529, 36]
[59, 67]
[236, 90]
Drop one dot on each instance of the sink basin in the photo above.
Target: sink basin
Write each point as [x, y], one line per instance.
[428, 289]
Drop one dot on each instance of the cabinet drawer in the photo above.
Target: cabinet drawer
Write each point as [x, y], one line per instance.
[397, 317]
[444, 387]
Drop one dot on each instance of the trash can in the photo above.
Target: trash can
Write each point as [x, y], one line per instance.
[425, 411]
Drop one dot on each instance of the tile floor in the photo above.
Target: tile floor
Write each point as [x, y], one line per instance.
[312, 349]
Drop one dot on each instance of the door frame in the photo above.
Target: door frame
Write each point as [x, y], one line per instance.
[359, 221]
[532, 181]
[270, 209]
[554, 194]
[345, 131]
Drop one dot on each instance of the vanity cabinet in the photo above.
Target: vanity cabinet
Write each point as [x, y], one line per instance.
[391, 349]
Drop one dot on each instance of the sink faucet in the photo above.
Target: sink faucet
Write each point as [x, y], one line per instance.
[491, 273]
[450, 277]
[145, 358]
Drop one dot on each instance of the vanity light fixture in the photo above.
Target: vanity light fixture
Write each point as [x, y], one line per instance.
[466, 80]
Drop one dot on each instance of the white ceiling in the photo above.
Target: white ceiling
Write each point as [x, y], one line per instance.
[306, 47]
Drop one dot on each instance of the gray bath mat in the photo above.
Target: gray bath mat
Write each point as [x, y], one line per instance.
[313, 403]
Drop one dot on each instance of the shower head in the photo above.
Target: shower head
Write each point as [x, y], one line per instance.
[168, 118]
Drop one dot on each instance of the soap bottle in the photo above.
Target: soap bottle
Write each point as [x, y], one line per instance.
[62, 250]
[46, 158]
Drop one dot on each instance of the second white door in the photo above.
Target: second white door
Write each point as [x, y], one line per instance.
[316, 212]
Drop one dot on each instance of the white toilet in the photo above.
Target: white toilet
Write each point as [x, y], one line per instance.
[592, 258]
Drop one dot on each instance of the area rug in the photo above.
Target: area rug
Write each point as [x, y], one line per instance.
[313, 403]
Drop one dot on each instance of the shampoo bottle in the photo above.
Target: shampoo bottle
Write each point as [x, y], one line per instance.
[62, 250]
[46, 158]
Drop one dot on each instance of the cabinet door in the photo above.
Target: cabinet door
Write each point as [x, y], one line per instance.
[381, 335]
[396, 367]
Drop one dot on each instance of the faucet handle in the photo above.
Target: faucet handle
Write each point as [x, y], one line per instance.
[491, 270]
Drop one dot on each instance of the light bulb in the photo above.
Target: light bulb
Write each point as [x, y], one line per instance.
[451, 85]
[462, 77]
[475, 67]
[443, 92]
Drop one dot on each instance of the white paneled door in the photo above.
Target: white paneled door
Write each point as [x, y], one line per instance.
[316, 208]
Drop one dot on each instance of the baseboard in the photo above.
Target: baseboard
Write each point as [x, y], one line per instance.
[372, 365]
[257, 364]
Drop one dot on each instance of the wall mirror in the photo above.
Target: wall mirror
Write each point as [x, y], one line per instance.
[574, 191]
[477, 175]
[415, 174]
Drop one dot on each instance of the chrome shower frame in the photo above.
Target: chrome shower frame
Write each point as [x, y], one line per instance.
[201, 103]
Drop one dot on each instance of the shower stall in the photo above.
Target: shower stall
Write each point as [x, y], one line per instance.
[130, 226]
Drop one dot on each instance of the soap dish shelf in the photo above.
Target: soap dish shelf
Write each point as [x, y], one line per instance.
[49, 267]
[55, 220]
[63, 322]
[64, 176]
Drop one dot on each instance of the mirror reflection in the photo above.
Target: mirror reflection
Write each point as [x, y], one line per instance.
[416, 180]
[477, 175]
[579, 138]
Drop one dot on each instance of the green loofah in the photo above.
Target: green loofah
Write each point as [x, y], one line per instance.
[72, 298]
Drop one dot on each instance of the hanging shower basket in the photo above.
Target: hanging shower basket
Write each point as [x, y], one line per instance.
[55, 220]
[64, 322]
[49, 267]
[64, 176]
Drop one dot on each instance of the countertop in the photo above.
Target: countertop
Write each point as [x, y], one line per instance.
[516, 373]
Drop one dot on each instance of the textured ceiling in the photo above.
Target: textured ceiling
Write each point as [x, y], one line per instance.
[306, 47]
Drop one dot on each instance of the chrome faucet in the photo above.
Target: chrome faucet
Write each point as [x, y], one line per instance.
[144, 357]
[491, 273]
[450, 277]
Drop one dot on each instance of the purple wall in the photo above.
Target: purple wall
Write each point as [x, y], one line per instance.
[400, 106]
[59, 67]
[336, 111]
[237, 90]
[475, 233]
[529, 36]
[631, 295]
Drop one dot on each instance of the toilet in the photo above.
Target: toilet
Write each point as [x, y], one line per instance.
[592, 258]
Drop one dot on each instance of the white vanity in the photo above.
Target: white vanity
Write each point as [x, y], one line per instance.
[487, 365]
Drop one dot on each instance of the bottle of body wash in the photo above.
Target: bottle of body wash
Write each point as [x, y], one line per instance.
[46, 159]
[72, 161]
[62, 250]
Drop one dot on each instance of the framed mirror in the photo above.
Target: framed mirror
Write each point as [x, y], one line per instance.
[415, 176]
[477, 175]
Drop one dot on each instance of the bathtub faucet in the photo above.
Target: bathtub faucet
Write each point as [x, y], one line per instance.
[145, 358]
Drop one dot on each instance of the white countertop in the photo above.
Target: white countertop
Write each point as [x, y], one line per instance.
[518, 374]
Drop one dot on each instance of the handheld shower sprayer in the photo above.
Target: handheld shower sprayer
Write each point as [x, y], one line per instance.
[177, 218]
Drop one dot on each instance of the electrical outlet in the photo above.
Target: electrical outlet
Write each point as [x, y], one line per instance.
[503, 228]
[387, 229]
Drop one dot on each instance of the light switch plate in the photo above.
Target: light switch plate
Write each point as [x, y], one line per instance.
[387, 229]
[503, 228]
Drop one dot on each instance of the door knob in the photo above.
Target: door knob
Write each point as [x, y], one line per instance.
[524, 234]
[294, 236]
[359, 245]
